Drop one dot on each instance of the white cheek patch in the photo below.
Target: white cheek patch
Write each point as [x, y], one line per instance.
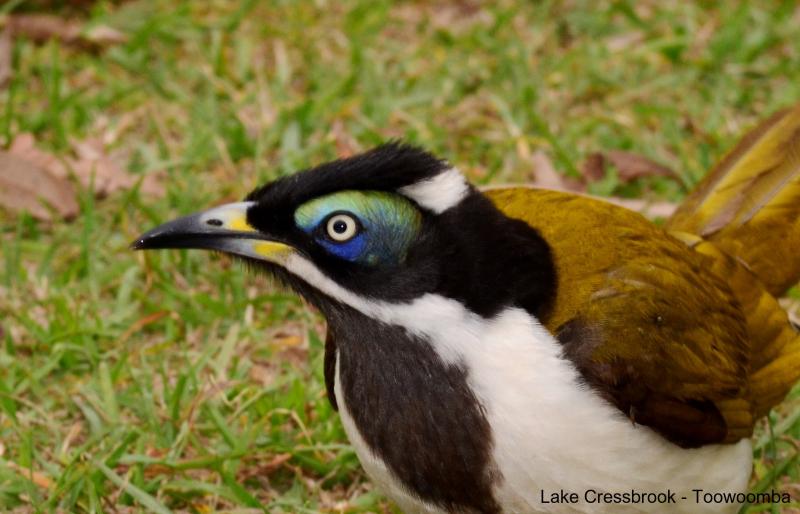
[438, 193]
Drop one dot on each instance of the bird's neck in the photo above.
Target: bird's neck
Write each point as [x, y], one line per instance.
[492, 262]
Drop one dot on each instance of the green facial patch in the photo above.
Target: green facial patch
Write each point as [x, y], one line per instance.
[388, 223]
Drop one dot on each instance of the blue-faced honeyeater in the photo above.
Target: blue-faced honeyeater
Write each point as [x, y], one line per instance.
[492, 351]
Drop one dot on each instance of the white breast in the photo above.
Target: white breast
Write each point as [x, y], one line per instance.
[550, 431]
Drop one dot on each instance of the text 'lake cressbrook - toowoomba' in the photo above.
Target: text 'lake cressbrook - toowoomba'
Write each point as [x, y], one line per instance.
[665, 497]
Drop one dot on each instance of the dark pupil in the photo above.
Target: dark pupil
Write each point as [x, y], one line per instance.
[339, 227]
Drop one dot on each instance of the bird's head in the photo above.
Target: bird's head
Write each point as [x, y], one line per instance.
[387, 226]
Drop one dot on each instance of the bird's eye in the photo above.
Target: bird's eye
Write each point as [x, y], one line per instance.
[341, 227]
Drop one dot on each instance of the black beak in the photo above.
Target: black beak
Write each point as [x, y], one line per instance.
[224, 228]
[203, 230]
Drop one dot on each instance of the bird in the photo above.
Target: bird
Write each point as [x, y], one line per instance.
[523, 350]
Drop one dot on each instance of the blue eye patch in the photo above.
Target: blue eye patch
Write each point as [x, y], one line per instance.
[386, 224]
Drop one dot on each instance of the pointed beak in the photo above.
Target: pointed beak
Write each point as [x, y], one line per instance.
[224, 228]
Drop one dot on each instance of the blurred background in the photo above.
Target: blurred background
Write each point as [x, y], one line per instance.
[176, 381]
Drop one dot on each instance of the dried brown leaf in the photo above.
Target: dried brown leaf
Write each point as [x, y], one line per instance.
[264, 373]
[594, 167]
[296, 356]
[24, 145]
[546, 176]
[544, 173]
[95, 168]
[27, 186]
[38, 478]
[43, 27]
[455, 17]
[39, 5]
[631, 165]
[30, 178]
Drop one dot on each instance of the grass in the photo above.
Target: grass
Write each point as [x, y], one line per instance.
[175, 381]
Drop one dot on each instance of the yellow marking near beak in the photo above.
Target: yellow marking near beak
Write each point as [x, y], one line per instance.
[240, 223]
[273, 251]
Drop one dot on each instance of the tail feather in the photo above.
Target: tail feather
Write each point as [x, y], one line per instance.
[749, 205]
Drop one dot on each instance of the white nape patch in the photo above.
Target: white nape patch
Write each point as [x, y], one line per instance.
[438, 193]
[551, 432]
[372, 464]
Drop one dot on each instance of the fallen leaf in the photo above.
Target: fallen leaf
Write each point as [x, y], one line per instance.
[44, 27]
[6, 56]
[594, 167]
[265, 374]
[544, 173]
[454, 18]
[94, 168]
[27, 186]
[631, 166]
[31, 179]
[40, 479]
[296, 356]
[24, 145]
[40, 5]
[546, 176]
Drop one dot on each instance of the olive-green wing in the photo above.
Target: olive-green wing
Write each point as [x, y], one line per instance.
[642, 317]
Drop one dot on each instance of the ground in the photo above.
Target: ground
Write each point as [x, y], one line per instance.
[137, 382]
